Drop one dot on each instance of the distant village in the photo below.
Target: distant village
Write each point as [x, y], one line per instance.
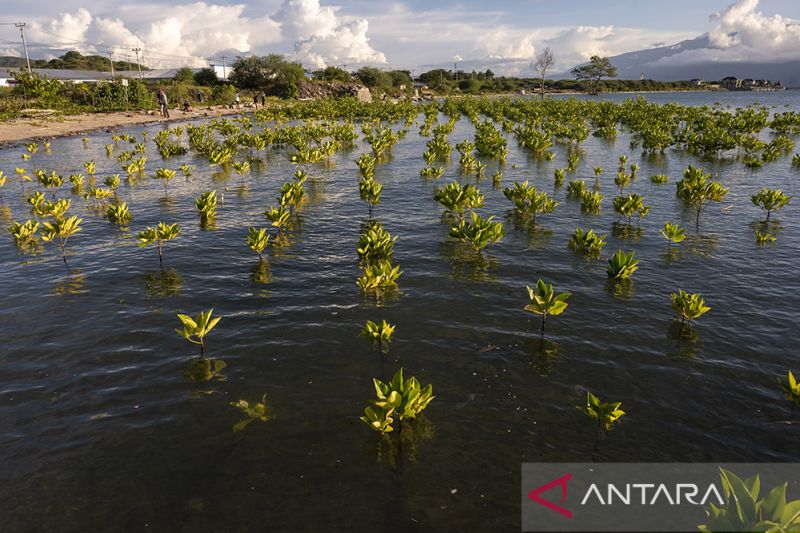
[732, 83]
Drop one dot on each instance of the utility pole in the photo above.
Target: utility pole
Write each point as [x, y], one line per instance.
[224, 72]
[455, 70]
[21, 26]
[137, 50]
[111, 59]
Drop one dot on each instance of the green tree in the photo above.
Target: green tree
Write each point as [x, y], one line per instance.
[374, 78]
[332, 74]
[184, 75]
[271, 74]
[206, 77]
[592, 72]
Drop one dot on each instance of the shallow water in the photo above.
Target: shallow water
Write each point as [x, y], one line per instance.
[102, 431]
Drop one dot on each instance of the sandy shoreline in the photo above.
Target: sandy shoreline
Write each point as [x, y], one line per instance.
[28, 129]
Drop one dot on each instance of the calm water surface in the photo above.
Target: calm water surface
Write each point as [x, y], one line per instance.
[102, 430]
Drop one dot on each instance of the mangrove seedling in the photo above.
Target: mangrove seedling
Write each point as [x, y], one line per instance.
[456, 198]
[791, 388]
[673, 233]
[587, 242]
[591, 202]
[195, 329]
[558, 176]
[24, 233]
[379, 275]
[576, 188]
[604, 414]
[659, 179]
[630, 205]
[770, 200]
[207, 205]
[257, 411]
[241, 168]
[165, 175]
[278, 216]
[375, 243]
[89, 166]
[59, 232]
[257, 240]
[743, 511]
[119, 214]
[379, 333]
[528, 201]
[479, 232]
[158, 236]
[401, 398]
[697, 191]
[370, 192]
[688, 306]
[544, 301]
[622, 265]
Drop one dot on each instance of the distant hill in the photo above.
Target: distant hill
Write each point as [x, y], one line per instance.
[70, 61]
[655, 63]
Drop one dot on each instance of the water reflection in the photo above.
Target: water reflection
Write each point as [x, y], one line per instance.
[626, 232]
[74, 283]
[202, 369]
[621, 288]
[682, 339]
[398, 446]
[163, 283]
[543, 354]
[261, 273]
[702, 245]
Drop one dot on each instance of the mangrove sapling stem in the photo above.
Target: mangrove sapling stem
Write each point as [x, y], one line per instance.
[160, 255]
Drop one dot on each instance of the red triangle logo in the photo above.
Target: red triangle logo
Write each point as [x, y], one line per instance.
[559, 482]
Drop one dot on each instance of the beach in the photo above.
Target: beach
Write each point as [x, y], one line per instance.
[47, 126]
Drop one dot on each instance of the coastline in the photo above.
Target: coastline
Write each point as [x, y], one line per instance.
[31, 129]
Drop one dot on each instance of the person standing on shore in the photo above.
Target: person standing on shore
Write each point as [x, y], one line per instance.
[163, 102]
[263, 99]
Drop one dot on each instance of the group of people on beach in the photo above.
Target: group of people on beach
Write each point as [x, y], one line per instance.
[163, 101]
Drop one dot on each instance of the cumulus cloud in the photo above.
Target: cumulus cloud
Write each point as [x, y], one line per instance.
[323, 38]
[189, 34]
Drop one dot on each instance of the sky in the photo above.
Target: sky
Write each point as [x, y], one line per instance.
[408, 34]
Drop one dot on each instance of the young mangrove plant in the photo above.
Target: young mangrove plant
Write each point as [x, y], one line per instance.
[375, 243]
[379, 333]
[544, 301]
[59, 231]
[770, 200]
[622, 265]
[587, 242]
[576, 188]
[257, 240]
[257, 411]
[24, 233]
[791, 388]
[119, 214]
[673, 233]
[605, 415]
[558, 176]
[659, 179]
[528, 201]
[479, 232]
[743, 511]
[195, 329]
[697, 191]
[456, 198]
[630, 205]
[158, 236]
[241, 168]
[403, 399]
[378, 276]
[165, 175]
[591, 202]
[370, 192]
[207, 206]
[688, 306]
